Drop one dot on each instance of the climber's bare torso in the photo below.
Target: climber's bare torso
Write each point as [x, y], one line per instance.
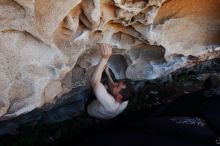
[111, 109]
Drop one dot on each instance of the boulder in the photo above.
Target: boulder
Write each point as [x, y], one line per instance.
[48, 47]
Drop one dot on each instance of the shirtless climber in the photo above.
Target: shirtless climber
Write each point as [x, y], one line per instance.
[107, 105]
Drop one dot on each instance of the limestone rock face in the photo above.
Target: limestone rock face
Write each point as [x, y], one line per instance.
[48, 47]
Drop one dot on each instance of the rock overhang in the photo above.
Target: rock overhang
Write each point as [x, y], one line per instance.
[44, 43]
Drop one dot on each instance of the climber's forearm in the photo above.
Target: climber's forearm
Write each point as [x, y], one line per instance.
[97, 75]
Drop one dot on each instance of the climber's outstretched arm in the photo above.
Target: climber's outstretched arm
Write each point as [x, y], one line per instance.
[101, 94]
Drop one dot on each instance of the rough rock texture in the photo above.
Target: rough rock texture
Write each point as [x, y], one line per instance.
[48, 47]
[70, 107]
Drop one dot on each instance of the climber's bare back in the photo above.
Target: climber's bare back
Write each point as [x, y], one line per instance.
[111, 109]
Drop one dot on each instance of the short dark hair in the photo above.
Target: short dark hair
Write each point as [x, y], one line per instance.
[128, 92]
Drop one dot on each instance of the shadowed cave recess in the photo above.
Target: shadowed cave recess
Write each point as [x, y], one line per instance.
[49, 51]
